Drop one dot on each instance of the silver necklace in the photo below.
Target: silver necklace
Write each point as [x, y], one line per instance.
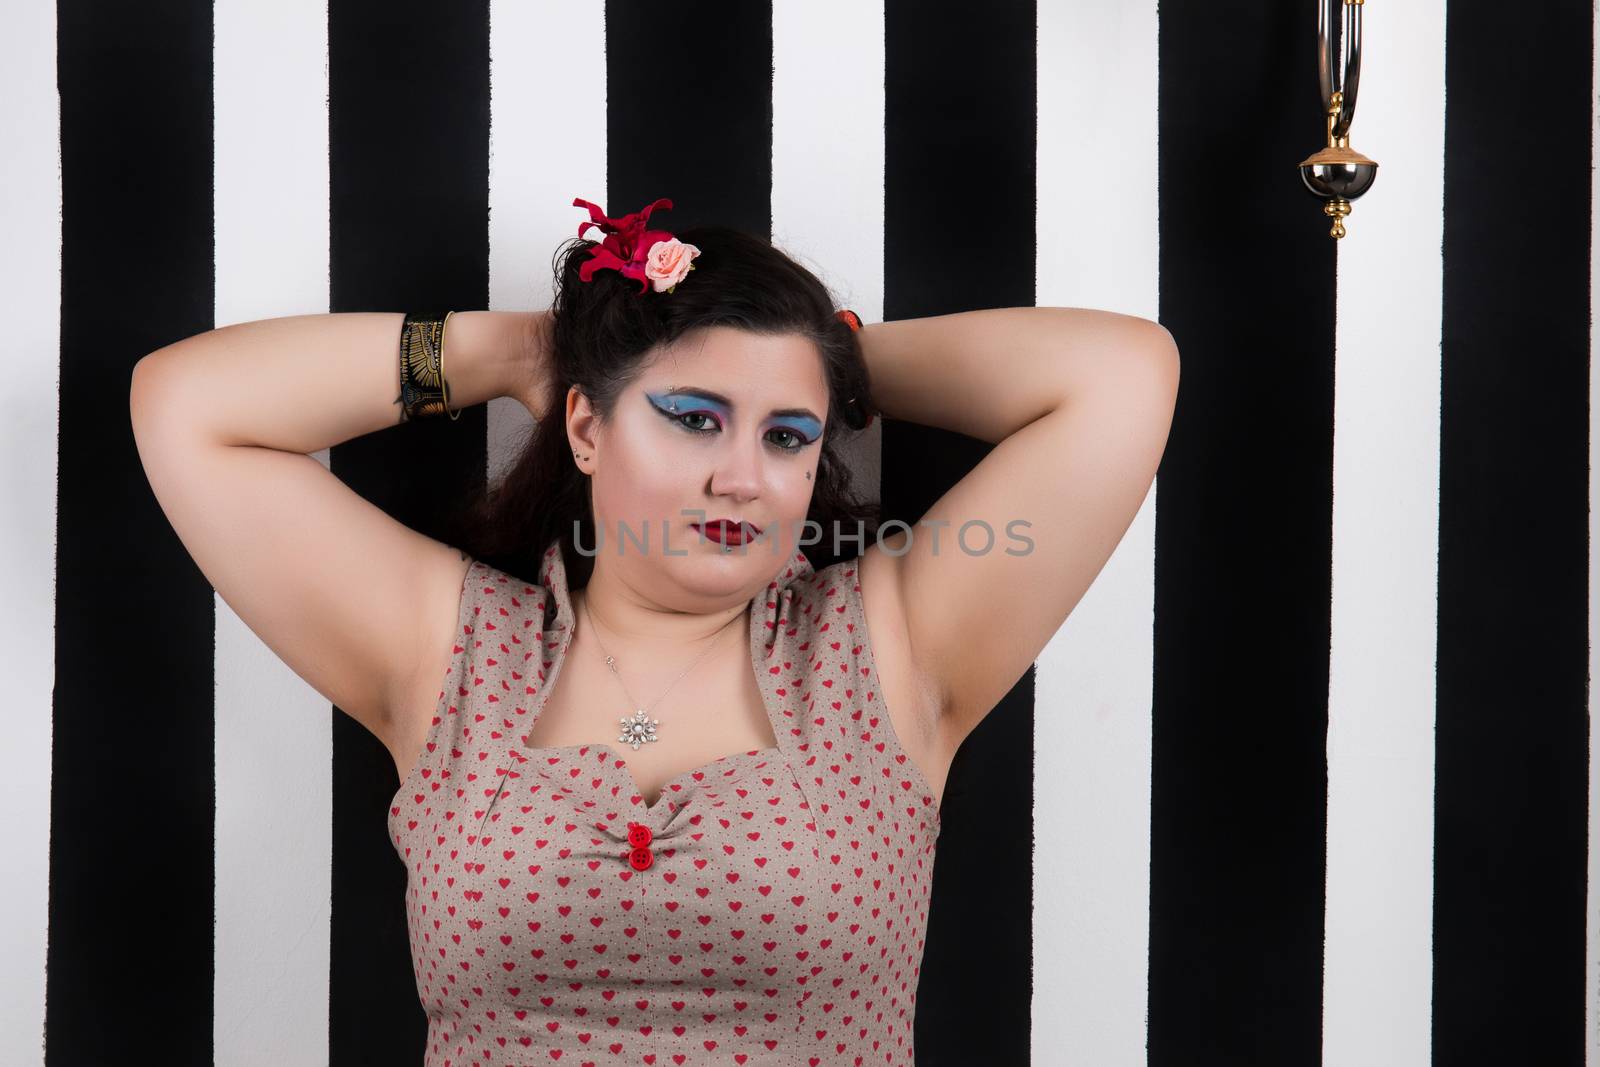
[640, 728]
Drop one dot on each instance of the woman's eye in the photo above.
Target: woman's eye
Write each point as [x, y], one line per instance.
[799, 442]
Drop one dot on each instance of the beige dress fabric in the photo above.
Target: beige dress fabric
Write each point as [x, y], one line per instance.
[775, 913]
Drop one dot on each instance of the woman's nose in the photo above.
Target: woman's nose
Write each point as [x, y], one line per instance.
[738, 472]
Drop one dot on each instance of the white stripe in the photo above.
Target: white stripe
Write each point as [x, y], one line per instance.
[547, 141]
[30, 278]
[1097, 247]
[273, 731]
[1378, 976]
[827, 203]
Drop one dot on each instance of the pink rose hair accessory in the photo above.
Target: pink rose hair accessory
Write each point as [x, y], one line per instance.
[654, 258]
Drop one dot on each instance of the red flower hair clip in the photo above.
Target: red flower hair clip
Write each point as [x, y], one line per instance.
[652, 257]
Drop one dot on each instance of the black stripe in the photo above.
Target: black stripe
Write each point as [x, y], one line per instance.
[702, 139]
[132, 797]
[409, 141]
[1243, 542]
[959, 235]
[1511, 786]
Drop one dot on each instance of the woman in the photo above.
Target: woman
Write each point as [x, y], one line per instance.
[603, 863]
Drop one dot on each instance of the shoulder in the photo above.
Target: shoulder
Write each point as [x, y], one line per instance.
[476, 614]
[863, 592]
[810, 614]
[911, 692]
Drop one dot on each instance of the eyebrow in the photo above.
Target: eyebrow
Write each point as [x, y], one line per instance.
[707, 394]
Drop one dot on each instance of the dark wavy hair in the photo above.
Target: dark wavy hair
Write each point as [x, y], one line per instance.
[598, 335]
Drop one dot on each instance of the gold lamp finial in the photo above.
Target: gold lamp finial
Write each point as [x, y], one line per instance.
[1338, 174]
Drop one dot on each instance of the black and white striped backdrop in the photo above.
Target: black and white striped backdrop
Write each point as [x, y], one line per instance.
[1305, 778]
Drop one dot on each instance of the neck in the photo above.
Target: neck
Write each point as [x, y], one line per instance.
[646, 631]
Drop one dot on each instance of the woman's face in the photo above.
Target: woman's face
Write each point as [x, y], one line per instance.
[749, 452]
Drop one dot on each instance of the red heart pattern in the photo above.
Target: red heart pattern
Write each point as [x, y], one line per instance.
[783, 917]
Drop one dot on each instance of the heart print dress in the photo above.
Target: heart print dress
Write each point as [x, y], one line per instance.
[769, 909]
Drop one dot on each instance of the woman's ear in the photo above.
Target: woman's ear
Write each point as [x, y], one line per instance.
[582, 429]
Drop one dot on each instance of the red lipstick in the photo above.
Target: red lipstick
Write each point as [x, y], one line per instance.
[728, 531]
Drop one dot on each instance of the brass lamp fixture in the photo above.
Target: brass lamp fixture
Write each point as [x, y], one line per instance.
[1338, 173]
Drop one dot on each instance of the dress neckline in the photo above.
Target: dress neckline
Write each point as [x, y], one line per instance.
[721, 772]
[768, 610]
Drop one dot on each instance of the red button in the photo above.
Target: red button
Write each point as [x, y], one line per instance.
[639, 835]
[641, 858]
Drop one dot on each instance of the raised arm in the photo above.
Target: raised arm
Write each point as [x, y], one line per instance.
[346, 596]
[1078, 404]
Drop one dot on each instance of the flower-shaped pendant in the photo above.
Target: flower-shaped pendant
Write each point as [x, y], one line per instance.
[637, 730]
